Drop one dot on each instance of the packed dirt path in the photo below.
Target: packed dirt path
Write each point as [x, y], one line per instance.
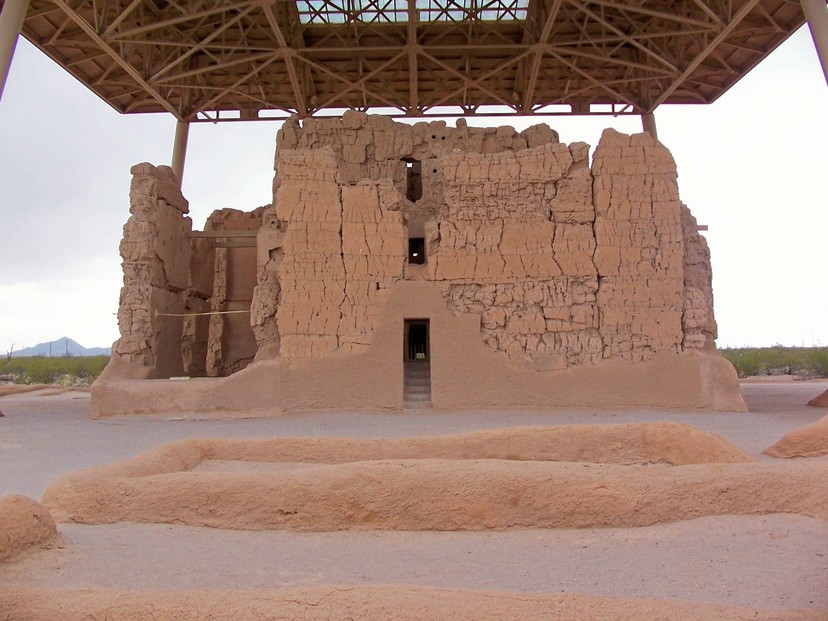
[765, 562]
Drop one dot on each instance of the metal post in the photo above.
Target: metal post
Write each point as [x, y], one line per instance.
[11, 21]
[182, 131]
[816, 12]
[649, 124]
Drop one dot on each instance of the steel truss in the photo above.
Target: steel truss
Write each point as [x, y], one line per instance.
[215, 60]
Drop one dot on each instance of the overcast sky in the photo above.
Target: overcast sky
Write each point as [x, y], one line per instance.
[753, 166]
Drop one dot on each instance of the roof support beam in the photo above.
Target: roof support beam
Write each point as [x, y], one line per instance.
[816, 12]
[469, 82]
[202, 44]
[179, 154]
[627, 6]
[413, 73]
[11, 21]
[534, 69]
[121, 17]
[290, 65]
[189, 17]
[702, 56]
[90, 32]
[628, 39]
[649, 124]
[359, 83]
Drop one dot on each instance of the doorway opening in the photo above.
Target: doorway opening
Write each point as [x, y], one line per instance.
[416, 364]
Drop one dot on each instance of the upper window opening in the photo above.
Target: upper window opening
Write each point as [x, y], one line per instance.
[413, 180]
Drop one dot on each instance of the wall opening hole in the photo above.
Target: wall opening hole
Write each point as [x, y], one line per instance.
[416, 250]
[413, 180]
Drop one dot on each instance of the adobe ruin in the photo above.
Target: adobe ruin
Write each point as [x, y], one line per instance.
[405, 266]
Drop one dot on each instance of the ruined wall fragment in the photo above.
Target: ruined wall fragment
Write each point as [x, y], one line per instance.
[156, 258]
[231, 343]
[698, 322]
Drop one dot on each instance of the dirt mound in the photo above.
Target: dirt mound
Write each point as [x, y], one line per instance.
[437, 494]
[23, 523]
[633, 443]
[821, 401]
[378, 603]
[806, 441]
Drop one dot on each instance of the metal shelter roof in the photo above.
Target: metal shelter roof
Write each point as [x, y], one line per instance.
[248, 59]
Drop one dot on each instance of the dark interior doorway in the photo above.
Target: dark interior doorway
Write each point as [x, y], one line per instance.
[417, 365]
[416, 339]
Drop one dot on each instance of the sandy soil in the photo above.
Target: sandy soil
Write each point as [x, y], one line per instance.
[767, 562]
[390, 603]
[43, 390]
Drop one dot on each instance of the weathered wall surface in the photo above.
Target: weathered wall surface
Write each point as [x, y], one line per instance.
[639, 250]
[156, 263]
[510, 246]
[566, 265]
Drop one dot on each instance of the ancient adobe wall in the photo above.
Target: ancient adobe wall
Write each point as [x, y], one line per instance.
[544, 277]
[565, 265]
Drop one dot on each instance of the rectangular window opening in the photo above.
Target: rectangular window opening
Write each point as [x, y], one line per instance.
[413, 180]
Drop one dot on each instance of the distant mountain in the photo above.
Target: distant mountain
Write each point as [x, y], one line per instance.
[62, 347]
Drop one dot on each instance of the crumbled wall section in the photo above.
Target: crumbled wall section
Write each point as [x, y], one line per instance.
[375, 147]
[640, 249]
[156, 261]
[509, 246]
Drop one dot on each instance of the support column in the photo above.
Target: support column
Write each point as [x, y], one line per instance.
[649, 124]
[816, 12]
[11, 21]
[182, 131]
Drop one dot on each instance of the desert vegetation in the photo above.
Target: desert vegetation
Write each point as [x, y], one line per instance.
[63, 370]
[778, 360]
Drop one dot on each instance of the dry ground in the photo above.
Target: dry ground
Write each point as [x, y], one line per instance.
[765, 562]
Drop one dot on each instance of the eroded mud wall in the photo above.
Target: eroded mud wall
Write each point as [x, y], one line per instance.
[156, 262]
[555, 264]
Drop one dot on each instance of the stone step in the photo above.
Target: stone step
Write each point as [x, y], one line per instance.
[417, 396]
[417, 386]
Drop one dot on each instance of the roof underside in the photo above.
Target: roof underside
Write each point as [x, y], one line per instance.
[220, 59]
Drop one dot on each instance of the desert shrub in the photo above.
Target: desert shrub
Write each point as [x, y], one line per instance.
[747, 362]
[752, 361]
[50, 370]
[816, 359]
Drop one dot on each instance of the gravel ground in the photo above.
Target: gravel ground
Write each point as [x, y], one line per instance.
[775, 561]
